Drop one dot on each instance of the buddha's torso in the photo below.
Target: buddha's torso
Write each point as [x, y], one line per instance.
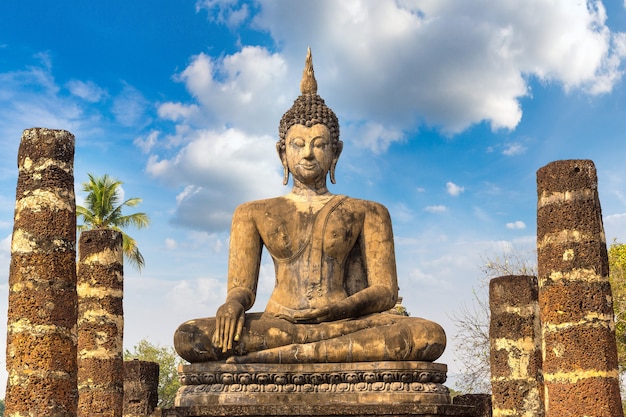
[310, 245]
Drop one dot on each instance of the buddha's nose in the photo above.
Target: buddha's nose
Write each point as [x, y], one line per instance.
[308, 151]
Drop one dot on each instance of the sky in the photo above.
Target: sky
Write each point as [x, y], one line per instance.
[447, 110]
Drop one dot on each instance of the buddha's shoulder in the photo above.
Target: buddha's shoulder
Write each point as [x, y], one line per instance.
[365, 206]
[261, 206]
[285, 204]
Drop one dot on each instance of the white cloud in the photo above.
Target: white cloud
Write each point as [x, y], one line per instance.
[178, 111]
[468, 61]
[228, 12]
[436, 209]
[170, 243]
[30, 97]
[401, 212]
[244, 89]
[129, 107]
[428, 280]
[453, 189]
[188, 293]
[516, 225]
[615, 227]
[514, 149]
[5, 247]
[373, 136]
[88, 91]
[385, 67]
[147, 142]
[218, 171]
[481, 214]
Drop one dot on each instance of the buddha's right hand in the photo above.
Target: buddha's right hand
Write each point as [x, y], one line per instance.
[229, 321]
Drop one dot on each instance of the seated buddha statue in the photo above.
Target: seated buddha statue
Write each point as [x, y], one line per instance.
[334, 264]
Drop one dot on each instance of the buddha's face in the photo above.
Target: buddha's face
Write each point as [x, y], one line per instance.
[309, 154]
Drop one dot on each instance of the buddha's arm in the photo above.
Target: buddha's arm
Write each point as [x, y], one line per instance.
[378, 254]
[380, 263]
[243, 273]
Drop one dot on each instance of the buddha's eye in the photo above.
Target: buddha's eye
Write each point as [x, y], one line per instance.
[297, 143]
[320, 143]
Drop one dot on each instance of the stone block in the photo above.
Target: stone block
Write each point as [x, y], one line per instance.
[141, 380]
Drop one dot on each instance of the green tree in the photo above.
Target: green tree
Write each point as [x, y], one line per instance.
[168, 362]
[103, 210]
[617, 277]
[1, 407]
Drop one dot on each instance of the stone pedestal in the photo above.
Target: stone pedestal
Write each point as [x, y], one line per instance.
[324, 389]
[481, 403]
[333, 410]
[213, 383]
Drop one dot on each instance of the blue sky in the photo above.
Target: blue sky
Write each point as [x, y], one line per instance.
[447, 110]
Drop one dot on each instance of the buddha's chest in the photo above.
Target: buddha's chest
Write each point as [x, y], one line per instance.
[286, 234]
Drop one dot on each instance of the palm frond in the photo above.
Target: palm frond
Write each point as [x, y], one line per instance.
[103, 210]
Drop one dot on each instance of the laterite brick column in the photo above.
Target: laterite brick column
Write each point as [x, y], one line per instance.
[41, 329]
[515, 347]
[100, 324]
[579, 348]
[141, 383]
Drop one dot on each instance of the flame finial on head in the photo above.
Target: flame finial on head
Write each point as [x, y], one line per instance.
[308, 85]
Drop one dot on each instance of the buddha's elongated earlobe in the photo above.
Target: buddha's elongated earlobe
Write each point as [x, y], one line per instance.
[333, 164]
[286, 175]
[281, 154]
[332, 172]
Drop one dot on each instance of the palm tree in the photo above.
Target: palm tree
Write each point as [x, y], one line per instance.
[103, 211]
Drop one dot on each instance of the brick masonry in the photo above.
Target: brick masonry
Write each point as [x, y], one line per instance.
[41, 329]
[141, 382]
[515, 347]
[578, 330]
[100, 323]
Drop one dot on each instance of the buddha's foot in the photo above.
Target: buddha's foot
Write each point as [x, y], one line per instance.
[234, 359]
[285, 354]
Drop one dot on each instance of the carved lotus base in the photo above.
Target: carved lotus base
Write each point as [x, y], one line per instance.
[206, 384]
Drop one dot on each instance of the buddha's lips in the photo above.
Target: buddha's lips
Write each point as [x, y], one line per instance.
[308, 166]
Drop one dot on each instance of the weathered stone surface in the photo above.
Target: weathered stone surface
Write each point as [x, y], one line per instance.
[41, 332]
[100, 324]
[397, 382]
[141, 381]
[328, 410]
[578, 331]
[515, 346]
[579, 349]
[589, 396]
[481, 403]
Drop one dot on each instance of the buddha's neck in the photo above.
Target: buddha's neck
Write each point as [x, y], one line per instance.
[309, 198]
[313, 191]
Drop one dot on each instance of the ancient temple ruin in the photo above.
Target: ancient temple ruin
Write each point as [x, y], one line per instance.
[326, 344]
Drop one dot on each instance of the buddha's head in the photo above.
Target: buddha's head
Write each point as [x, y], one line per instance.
[309, 110]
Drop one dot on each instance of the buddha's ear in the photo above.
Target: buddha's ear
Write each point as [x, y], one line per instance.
[283, 160]
[333, 163]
